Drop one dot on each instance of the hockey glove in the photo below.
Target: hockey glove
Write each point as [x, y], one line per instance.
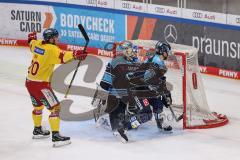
[79, 55]
[32, 36]
[149, 74]
[153, 88]
[167, 99]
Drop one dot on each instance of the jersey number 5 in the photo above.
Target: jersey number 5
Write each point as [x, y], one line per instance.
[34, 68]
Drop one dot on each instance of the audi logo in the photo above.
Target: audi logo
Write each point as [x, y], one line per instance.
[126, 5]
[91, 1]
[197, 15]
[160, 10]
[104, 3]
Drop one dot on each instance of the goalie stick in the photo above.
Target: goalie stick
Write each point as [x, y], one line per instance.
[96, 113]
[81, 28]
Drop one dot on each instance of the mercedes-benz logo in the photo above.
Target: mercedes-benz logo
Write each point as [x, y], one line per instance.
[170, 33]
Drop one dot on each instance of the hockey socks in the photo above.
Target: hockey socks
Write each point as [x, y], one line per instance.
[54, 122]
[37, 116]
[37, 120]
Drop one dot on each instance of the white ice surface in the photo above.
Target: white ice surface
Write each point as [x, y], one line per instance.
[89, 142]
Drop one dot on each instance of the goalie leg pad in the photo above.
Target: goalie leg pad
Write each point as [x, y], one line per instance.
[117, 117]
[112, 103]
[104, 122]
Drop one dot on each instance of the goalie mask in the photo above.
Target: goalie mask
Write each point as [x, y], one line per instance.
[129, 50]
[163, 49]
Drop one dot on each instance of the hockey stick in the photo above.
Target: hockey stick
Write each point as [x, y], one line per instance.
[96, 116]
[174, 115]
[81, 28]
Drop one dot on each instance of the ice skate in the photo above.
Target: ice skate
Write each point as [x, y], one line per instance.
[163, 126]
[40, 133]
[59, 140]
[121, 135]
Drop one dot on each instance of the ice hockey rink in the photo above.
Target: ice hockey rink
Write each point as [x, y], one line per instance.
[91, 142]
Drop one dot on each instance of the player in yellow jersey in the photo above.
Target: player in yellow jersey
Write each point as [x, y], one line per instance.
[45, 54]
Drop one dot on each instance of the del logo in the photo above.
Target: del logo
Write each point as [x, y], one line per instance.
[31, 21]
[145, 102]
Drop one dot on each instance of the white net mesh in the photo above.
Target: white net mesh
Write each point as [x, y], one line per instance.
[197, 113]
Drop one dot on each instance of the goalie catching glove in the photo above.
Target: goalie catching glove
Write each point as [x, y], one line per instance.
[79, 55]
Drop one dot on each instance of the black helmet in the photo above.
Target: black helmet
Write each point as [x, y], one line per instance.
[49, 33]
[162, 47]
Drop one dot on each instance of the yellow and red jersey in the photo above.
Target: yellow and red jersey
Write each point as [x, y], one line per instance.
[44, 58]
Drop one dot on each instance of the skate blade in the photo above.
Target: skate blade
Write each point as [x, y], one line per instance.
[40, 136]
[165, 132]
[119, 137]
[61, 143]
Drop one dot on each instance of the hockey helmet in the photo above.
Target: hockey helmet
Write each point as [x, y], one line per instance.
[50, 33]
[163, 49]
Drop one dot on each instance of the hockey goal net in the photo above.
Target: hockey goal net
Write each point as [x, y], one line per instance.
[187, 89]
